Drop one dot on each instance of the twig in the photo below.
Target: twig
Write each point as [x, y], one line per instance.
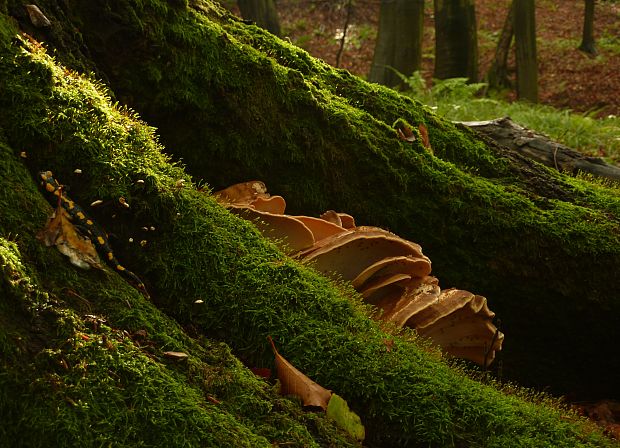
[344, 32]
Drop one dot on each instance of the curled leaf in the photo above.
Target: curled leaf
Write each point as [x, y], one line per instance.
[405, 133]
[177, 356]
[294, 382]
[425, 140]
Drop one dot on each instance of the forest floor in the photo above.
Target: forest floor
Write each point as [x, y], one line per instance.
[568, 78]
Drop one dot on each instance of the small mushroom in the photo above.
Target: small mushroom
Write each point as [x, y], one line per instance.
[348, 222]
[177, 356]
[340, 219]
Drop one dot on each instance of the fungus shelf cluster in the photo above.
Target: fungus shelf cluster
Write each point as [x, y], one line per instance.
[388, 271]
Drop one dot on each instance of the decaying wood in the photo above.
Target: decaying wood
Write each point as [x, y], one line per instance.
[508, 134]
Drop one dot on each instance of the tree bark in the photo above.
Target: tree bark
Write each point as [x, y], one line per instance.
[525, 41]
[263, 12]
[456, 41]
[498, 73]
[588, 44]
[399, 41]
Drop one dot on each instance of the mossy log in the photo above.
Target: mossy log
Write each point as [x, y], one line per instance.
[235, 103]
[541, 148]
[78, 367]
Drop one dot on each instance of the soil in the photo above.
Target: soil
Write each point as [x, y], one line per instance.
[568, 78]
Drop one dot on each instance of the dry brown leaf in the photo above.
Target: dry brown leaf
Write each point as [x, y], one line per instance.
[177, 356]
[406, 134]
[242, 193]
[60, 232]
[294, 382]
[425, 140]
[333, 217]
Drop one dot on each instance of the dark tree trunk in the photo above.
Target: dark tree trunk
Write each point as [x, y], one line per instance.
[456, 41]
[588, 45]
[263, 12]
[399, 43]
[498, 73]
[525, 41]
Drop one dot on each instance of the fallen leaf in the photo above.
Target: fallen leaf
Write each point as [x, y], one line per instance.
[60, 232]
[37, 18]
[405, 133]
[177, 356]
[213, 400]
[294, 382]
[339, 411]
[425, 140]
[242, 193]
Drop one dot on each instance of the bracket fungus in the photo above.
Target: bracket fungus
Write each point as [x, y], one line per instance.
[388, 271]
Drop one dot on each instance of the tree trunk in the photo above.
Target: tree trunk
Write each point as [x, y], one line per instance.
[588, 44]
[498, 73]
[456, 41]
[399, 42]
[263, 12]
[525, 41]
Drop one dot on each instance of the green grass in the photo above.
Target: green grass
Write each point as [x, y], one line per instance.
[456, 100]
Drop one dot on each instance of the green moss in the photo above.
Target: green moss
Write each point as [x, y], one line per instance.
[86, 375]
[235, 103]
[69, 378]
